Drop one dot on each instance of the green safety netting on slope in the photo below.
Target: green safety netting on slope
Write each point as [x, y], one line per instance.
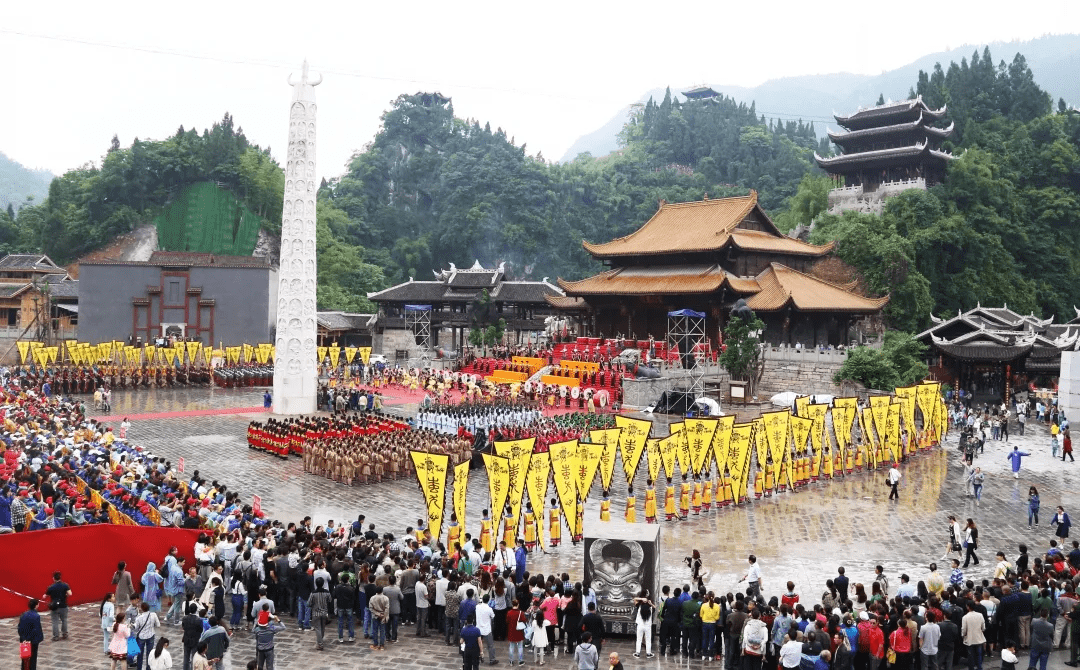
[208, 219]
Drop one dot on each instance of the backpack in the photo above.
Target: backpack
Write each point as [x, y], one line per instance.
[164, 570]
[755, 639]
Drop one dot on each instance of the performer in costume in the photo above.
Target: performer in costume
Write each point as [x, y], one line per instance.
[684, 499]
[487, 538]
[530, 528]
[509, 528]
[453, 536]
[650, 502]
[669, 500]
[580, 523]
[631, 501]
[605, 507]
[707, 496]
[555, 523]
[695, 499]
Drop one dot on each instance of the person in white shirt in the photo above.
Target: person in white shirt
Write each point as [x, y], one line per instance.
[504, 559]
[753, 577]
[485, 619]
[791, 651]
[893, 479]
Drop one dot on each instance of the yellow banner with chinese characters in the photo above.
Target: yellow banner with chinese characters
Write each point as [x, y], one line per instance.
[924, 397]
[816, 413]
[335, 356]
[461, 489]
[365, 355]
[610, 440]
[518, 454]
[350, 354]
[906, 396]
[564, 466]
[892, 430]
[632, 439]
[699, 438]
[151, 353]
[879, 406]
[652, 455]
[682, 448]
[669, 447]
[722, 442]
[498, 472]
[589, 456]
[431, 475]
[852, 407]
[193, 350]
[536, 482]
[778, 426]
[760, 447]
[322, 354]
[800, 405]
[739, 454]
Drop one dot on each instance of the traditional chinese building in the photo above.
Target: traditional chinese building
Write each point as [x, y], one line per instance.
[885, 150]
[992, 352]
[206, 297]
[31, 284]
[443, 306]
[705, 256]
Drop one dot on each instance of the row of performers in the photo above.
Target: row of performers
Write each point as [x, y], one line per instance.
[73, 379]
[688, 498]
[281, 437]
[607, 375]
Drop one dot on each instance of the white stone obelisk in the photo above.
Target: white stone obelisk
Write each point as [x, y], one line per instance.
[295, 370]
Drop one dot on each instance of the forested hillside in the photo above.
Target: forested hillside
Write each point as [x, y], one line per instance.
[431, 189]
[1002, 228]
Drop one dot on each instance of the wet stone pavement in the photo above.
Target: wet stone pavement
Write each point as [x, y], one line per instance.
[800, 537]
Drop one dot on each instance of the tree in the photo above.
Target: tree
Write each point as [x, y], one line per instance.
[897, 363]
[742, 354]
[485, 325]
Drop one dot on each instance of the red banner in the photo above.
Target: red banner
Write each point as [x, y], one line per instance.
[86, 556]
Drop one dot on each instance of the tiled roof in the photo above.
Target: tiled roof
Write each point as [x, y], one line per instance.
[757, 240]
[780, 284]
[682, 279]
[468, 279]
[685, 226]
[437, 291]
[196, 259]
[27, 262]
[524, 291]
[984, 352]
[65, 289]
[342, 320]
[12, 290]
[565, 302]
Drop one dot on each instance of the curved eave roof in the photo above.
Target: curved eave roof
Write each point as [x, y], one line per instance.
[984, 352]
[880, 114]
[756, 240]
[841, 138]
[781, 286]
[656, 281]
[681, 227]
[881, 157]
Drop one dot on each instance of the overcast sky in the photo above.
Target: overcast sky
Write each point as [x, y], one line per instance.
[546, 72]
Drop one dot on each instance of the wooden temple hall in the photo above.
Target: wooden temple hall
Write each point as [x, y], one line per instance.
[705, 256]
[994, 352]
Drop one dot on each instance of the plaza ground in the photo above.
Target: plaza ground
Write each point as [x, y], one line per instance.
[800, 537]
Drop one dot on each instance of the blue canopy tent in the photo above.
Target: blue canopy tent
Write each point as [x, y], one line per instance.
[686, 313]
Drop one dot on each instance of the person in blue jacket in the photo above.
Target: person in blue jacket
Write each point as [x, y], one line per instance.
[1061, 520]
[30, 631]
[1015, 456]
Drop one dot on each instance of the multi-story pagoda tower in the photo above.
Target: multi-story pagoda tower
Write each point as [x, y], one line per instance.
[886, 149]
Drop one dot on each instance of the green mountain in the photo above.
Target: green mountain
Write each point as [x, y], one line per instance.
[17, 183]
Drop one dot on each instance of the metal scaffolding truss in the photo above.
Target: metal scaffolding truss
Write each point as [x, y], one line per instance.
[686, 334]
[418, 321]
